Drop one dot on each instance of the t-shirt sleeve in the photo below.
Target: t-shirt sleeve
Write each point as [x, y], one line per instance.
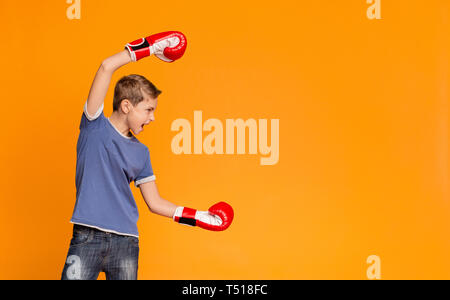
[146, 174]
[88, 121]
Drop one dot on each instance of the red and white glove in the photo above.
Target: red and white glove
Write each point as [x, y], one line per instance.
[167, 46]
[217, 218]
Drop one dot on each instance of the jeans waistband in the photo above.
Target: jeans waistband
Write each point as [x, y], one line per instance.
[98, 232]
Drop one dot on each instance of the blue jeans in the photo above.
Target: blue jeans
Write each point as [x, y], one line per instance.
[93, 251]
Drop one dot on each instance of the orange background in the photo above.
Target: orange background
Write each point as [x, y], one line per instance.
[363, 109]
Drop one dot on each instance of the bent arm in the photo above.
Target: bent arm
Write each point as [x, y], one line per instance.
[217, 218]
[102, 80]
[155, 203]
[163, 208]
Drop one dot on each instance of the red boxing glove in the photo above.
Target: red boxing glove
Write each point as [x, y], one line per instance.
[167, 46]
[217, 218]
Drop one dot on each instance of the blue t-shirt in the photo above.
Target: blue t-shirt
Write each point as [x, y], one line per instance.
[107, 162]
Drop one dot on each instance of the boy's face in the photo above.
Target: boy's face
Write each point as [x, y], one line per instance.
[142, 114]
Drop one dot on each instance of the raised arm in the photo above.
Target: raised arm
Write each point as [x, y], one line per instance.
[102, 80]
[167, 46]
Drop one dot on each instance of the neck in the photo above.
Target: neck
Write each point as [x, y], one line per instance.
[119, 121]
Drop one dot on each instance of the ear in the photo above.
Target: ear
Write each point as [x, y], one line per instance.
[126, 106]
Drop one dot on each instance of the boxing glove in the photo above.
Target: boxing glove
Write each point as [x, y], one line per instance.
[167, 46]
[217, 218]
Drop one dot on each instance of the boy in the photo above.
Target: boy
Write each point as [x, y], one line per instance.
[109, 158]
